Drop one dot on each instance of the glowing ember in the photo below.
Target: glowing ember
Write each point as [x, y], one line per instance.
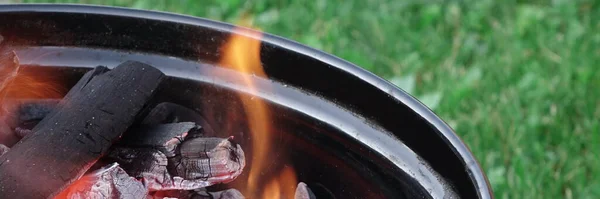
[242, 53]
[84, 183]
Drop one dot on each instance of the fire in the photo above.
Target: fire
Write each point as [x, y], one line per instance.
[242, 53]
[283, 186]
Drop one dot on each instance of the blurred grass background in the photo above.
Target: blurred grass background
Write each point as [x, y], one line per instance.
[518, 80]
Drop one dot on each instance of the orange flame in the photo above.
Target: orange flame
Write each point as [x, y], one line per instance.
[242, 53]
[283, 186]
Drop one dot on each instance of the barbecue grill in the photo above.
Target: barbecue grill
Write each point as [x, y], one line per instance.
[346, 132]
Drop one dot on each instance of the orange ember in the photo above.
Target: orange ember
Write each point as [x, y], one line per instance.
[83, 183]
[242, 53]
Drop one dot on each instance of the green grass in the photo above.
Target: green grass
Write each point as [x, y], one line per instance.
[516, 79]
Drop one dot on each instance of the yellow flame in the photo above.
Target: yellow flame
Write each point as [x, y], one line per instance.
[272, 190]
[282, 186]
[242, 53]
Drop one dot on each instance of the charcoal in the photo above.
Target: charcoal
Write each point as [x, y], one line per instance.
[108, 182]
[196, 162]
[203, 158]
[35, 110]
[164, 137]
[303, 192]
[168, 112]
[93, 114]
[24, 114]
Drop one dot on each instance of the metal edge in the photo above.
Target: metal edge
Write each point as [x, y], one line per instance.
[469, 160]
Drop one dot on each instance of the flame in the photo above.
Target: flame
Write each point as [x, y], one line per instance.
[283, 185]
[242, 53]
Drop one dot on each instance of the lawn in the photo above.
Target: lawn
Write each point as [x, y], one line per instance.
[515, 79]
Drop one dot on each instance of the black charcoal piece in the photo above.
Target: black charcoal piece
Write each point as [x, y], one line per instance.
[67, 142]
[164, 137]
[35, 110]
[168, 112]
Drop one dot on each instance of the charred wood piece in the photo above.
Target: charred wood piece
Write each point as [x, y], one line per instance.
[93, 114]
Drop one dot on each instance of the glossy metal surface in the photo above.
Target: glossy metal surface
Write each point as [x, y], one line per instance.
[363, 107]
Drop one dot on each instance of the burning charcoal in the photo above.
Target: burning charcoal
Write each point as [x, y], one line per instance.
[71, 138]
[3, 149]
[167, 112]
[108, 182]
[168, 158]
[303, 192]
